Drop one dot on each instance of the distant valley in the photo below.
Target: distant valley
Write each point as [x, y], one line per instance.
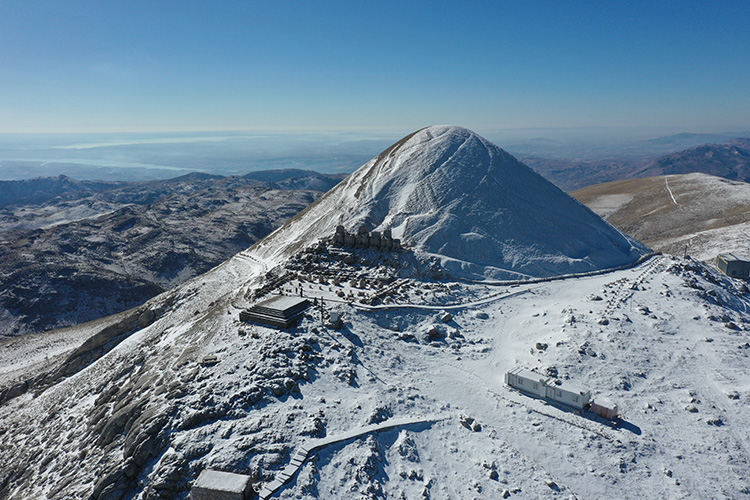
[73, 251]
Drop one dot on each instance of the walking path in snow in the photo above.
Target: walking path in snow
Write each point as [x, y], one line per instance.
[666, 183]
[304, 451]
[484, 300]
[247, 256]
[654, 258]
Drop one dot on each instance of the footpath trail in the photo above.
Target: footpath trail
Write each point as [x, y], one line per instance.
[484, 300]
[247, 256]
[625, 286]
[305, 450]
[671, 195]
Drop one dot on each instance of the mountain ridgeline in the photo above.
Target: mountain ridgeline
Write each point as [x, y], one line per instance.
[730, 161]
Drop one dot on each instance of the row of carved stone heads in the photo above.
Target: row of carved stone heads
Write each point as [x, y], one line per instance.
[364, 238]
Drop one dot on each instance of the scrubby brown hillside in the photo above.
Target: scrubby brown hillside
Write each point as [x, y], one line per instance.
[704, 213]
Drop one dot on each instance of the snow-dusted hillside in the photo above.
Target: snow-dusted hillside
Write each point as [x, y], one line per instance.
[78, 251]
[406, 399]
[707, 215]
[143, 421]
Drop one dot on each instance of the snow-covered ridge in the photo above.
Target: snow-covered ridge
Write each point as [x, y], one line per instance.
[449, 193]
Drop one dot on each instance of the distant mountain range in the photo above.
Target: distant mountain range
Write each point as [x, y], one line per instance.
[73, 251]
[43, 189]
[730, 160]
[688, 140]
[63, 188]
[94, 248]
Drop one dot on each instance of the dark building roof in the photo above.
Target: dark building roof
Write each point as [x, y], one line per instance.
[729, 257]
[279, 311]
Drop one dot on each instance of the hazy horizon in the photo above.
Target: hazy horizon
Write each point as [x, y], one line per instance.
[156, 155]
[144, 90]
[72, 67]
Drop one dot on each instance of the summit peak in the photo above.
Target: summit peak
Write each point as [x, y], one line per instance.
[450, 194]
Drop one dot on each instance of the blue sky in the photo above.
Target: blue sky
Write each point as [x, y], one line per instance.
[101, 66]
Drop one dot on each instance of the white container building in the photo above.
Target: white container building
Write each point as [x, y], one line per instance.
[548, 388]
[527, 381]
[568, 394]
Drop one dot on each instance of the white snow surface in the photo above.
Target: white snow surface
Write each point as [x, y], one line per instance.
[449, 193]
[674, 347]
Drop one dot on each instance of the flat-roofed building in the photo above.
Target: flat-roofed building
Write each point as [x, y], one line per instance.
[218, 485]
[568, 394]
[527, 381]
[548, 388]
[280, 311]
[734, 265]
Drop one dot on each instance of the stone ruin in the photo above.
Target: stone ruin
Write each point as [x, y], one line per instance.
[364, 238]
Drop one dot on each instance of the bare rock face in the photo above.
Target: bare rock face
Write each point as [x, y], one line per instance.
[146, 318]
[96, 346]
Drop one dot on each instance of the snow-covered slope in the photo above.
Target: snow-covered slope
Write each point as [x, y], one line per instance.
[447, 192]
[667, 341]
[406, 399]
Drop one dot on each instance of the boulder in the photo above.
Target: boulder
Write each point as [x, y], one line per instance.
[146, 318]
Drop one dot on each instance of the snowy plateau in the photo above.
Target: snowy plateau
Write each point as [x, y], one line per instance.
[405, 399]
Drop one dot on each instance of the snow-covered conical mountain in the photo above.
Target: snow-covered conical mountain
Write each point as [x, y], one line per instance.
[447, 192]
